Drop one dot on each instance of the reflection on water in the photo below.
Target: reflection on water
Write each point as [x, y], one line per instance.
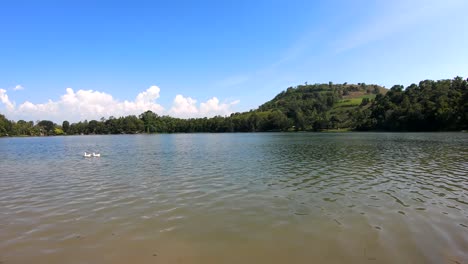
[233, 198]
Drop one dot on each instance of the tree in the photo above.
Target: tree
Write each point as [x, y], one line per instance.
[376, 90]
[149, 121]
[58, 131]
[65, 126]
[46, 127]
[278, 121]
[5, 126]
[364, 101]
[92, 126]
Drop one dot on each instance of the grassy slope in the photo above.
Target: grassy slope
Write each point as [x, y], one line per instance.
[351, 103]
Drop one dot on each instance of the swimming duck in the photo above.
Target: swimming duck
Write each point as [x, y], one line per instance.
[87, 155]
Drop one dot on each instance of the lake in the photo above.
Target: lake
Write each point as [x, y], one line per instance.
[235, 198]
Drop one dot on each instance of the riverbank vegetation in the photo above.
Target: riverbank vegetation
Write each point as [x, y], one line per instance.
[428, 106]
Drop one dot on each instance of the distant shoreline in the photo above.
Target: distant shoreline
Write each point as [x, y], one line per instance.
[262, 132]
[430, 106]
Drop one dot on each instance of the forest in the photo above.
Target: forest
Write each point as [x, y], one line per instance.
[428, 106]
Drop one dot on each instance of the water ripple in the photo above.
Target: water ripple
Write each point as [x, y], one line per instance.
[387, 190]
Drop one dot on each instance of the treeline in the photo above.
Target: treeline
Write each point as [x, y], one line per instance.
[302, 108]
[430, 106]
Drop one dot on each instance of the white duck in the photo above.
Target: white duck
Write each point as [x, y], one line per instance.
[96, 154]
[87, 155]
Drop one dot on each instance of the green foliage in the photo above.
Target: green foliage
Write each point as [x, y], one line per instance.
[5, 126]
[58, 131]
[364, 101]
[46, 127]
[65, 126]
[25, 128]
[429, 106]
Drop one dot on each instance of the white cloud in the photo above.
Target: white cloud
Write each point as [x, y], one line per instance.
[149, 95]
[18, 88]
[88, 105]
[5, 100]
[185, 107]
[84, 104]
[213, 107]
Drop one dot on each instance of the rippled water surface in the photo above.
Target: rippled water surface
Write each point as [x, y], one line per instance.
[235, 198]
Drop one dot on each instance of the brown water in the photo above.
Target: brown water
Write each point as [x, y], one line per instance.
[235, 198]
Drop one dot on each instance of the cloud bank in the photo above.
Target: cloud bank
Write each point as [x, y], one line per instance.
[186, 107]
[88, 105]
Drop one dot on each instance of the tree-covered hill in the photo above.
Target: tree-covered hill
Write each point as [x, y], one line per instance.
[322, 106]
[319, 97]
[428, 106]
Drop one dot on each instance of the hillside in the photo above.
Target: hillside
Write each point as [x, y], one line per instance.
[323, 106]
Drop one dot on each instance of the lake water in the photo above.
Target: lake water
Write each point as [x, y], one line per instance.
[235, 198]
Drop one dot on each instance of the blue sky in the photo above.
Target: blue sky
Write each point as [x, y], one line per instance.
[213, 57]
